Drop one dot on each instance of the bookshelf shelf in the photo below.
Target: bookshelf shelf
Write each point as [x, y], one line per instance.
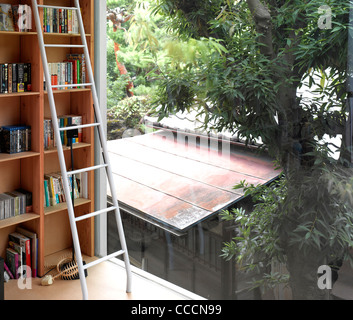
[68, 91]
[16, 33]
[19, 94]
[67, 149]
[62, 206]
[10, 157]
[67, 35]
[18, 220]
[27, 170]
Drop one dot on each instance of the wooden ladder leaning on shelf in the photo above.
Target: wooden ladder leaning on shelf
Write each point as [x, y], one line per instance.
[99, 125]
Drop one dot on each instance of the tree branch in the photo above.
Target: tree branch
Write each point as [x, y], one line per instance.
[262, 18]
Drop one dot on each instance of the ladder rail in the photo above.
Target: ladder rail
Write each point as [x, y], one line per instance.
[102, 137]
[60, 151]
[105, 149]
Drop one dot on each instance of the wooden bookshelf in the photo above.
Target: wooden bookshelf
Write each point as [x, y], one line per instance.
[26, 170]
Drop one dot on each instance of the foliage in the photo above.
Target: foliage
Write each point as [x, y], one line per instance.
[258, 236]
[242, 84]
[306, 215]
[244, 65]
[136, 58]
[126, 115]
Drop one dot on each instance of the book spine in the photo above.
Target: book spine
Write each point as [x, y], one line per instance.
[29, 77]
[20, 77]
[46, 194]
[44, 20]
[14, 77]
[8, 270]
[25, 76]
[2, 70]
[69, 21]
[60, 21]
[1, 78]
[10, 78]
[2, 273]
[6, 78]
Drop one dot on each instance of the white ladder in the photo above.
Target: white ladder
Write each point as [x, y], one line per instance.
[66, 174]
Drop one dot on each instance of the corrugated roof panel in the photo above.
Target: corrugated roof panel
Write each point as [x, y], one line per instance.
[179, 184]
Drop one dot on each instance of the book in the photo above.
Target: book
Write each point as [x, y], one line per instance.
[5, 78]
[54, 189]
[22, 17]
[25, 244]
[2, 207]
[34, 248]
[27, 77]
[28, 200]
[59, 20]
[8, 206]
[14, 77]
[46, 194]
[18, 248]
[51, 192]
[15, 139]
[6, 18]
[20, 77]
[12, 261]
[8, 271]
[21, 198]
[81, 65]
[16, 203]
[10, 77]
[77, 120]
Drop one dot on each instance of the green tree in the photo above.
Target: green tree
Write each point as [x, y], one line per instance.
[247, 61]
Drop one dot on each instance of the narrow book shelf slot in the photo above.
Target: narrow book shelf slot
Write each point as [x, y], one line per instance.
[63, 206]
[18, 219]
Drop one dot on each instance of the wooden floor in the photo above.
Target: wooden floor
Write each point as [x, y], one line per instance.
[106, 281]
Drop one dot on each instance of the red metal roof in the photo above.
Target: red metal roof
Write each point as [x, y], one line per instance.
[179, 184]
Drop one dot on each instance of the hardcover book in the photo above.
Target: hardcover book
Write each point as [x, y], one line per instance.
[6, 18]
[12, 261]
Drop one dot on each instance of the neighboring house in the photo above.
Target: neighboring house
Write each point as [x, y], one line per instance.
[172, 184]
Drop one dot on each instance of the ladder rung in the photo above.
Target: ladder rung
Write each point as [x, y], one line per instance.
[64, 46]
[72, 85]
[80, 127]
[71, 173]
[56, 7]
[95, 262]
[93, 214]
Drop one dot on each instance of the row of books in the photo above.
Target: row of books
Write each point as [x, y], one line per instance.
[54, 190]
[22, 254]
[15, 139]
[60, 21]
[15, 203]
[15, 77]
[71, 71]
[15, 17]
[63, 121]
